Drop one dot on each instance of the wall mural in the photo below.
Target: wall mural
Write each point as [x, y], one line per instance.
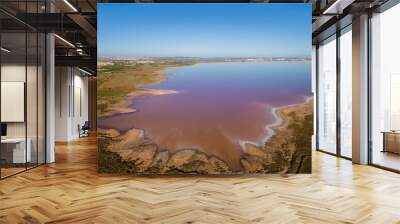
[204, 88]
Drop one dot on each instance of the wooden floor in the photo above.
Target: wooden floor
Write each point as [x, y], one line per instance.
[70, 191]
[5, 172]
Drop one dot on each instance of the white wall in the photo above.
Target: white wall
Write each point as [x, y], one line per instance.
[81, 104]
[11, 73]
[62, 81]
[314, 91]
[16, 73]
[71, 102]
[13, 100]
[33, 126]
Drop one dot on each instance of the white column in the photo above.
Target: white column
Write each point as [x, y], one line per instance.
[50, 98]
[360, 90]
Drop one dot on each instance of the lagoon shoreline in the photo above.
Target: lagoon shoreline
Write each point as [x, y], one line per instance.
[126, 106]
[279, 121]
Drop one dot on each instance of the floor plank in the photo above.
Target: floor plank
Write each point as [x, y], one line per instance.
[70, 191]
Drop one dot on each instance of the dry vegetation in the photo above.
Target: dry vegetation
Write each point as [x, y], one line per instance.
[117, 80]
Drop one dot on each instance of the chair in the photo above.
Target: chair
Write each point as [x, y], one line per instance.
[84, 130]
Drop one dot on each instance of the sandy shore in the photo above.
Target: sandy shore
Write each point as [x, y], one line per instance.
[279, 121]
[281, 140]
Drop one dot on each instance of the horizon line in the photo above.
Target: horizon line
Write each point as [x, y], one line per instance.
[100, 56]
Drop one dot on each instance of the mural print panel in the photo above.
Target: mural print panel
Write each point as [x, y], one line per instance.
[204, 89]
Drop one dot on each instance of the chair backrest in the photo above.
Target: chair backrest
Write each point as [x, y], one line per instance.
[86, 125]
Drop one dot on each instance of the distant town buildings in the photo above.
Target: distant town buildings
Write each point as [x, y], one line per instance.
[103, 61]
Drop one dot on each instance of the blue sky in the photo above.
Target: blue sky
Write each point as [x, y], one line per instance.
[204, 30]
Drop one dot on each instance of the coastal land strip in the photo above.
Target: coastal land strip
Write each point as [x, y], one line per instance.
[119, 83]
